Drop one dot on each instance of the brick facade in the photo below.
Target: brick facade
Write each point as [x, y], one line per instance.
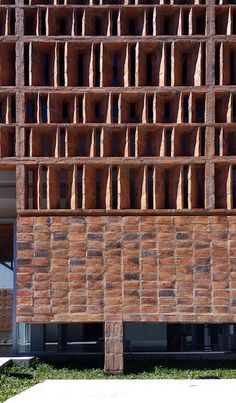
[169, 269]
[6, 296]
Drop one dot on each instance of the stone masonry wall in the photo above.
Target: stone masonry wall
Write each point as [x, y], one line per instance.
[150, 268]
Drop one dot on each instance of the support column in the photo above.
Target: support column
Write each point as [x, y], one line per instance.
[114, 361]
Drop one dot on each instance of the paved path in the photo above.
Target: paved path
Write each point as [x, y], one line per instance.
[130, 391]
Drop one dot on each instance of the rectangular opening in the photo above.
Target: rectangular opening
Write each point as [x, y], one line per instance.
[26, 63]
[132, 66]
[44, 176]
[61, 65]
[114, 187]
[168, 142]
[114, 23]
[64, 199]
[132, 142]
[168, 64]
[217, 142]
[98, 143]
[185, 187]
[31, 193]
[80, 186]
[150, 187]
[62, 144]
[97, 66]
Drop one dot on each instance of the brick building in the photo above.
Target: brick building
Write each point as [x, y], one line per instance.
[118, 177]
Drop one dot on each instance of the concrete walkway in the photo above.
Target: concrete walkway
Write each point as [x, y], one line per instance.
[122, 391]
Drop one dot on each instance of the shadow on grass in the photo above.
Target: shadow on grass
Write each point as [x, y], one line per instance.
[143, 364]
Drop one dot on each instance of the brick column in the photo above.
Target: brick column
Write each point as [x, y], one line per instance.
[114, 362]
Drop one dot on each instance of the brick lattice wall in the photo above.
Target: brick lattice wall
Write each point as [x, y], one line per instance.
[126, 268]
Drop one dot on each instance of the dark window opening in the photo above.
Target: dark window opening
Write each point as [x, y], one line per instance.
[80, 109]
[185, 109]
[65, 115]
[200, 110]
[29, 26]
[200, 25]
[150, 187]
[132, 26]
[185, 28]
[62, 27]
[97, 26]
[166, 112]
[217, 65]
[203, 65]
[132, 66]
[61, 66]
[46, 145]
[150, 22]
[44, 175]
[97, 66]
[62, 142]
[234, 109]
[27, 142]
[115, 81]
[150, 109]
[26, 64]
[149, 69]
[80, 186]
[184, 69]
[166, 26]
[114, 188]
[44, 110]
[115, 109]
[98, 143]
[13, 109]
[43, 22]
[132, 111]
[184, 144]
[97, 111]
[217, 142]
[80, 70]
[64, 201]
[168, 64]
[31, 190]
[31, 115]
[79, 24]
[132, 188]
[200, 183]
[234, 23]
[2, 117]
[46, 80]
[234, 186]
[166, 188]
[12, 22]
[132, 137]
[114, 23]
[168, 142]
[98, 188]
[202, 141]
[232, 68]
[185, 187]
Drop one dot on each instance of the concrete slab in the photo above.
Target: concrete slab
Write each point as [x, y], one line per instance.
[122, 391]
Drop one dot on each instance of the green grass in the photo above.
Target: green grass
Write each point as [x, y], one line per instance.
[10, 385]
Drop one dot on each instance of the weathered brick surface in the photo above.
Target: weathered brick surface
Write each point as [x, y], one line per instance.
[126, 268]
[6, 310]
